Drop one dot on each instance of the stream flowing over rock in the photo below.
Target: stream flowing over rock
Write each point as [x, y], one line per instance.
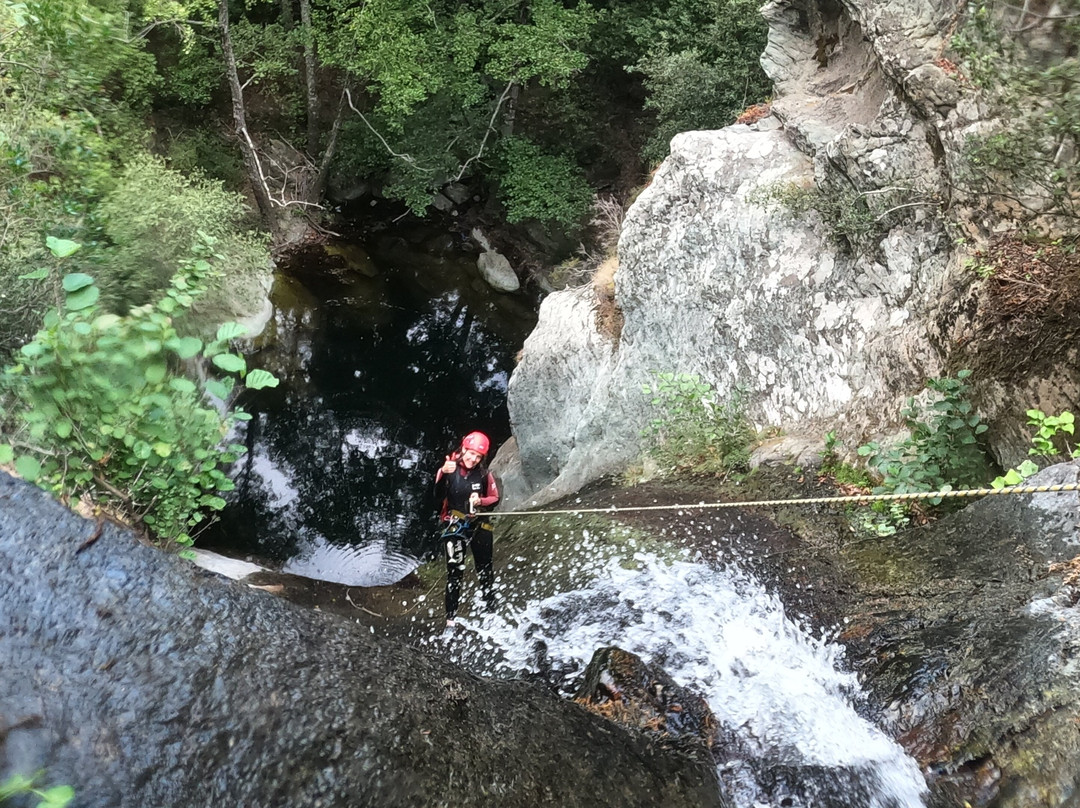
[824, 328]
[141, 680]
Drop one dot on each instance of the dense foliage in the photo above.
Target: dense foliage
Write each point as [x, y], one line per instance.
[434, 87]
[100, 412]
[74, 164]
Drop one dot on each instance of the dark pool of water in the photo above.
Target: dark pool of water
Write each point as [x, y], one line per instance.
[387, 353]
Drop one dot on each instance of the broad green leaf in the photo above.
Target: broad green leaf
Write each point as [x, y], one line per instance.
[7, 454]
[36, 275]
[182, 385]
[185, 347]
[56, 797]
[76, 281]
[217, 389]
[61, 247]
[155, 373]
[259, 379]
[63, 428]
[162, 449]
[230, 331]
[106, 321]
[1027, 468]
[1013, 477]
[14, 785]
[231, 363]
[27, 467]
[82, 299]
[210, 501]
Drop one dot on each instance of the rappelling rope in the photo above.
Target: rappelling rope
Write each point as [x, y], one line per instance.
[921, 495]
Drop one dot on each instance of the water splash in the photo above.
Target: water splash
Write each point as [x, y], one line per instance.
[780, 694]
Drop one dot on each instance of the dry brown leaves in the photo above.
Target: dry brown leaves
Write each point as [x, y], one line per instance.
[1028, 316]
[1031, 280]
[1070, 569]
[949, 66]
[754, 114]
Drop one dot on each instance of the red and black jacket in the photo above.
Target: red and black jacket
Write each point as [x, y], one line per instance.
[452, 491]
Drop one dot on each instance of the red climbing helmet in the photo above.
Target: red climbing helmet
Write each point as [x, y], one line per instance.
[477, 441]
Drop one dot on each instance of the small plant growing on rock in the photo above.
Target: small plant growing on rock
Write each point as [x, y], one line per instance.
[693, 431]
[1050, 431]
[18, 785]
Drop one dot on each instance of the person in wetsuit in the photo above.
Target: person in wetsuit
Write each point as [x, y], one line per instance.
[463, 485]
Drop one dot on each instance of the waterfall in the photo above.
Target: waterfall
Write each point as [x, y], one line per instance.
[781, 693]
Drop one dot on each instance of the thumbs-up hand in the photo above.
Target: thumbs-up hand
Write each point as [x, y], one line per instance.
[449, 467]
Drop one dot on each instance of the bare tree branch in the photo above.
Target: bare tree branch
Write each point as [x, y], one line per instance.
[490, 129]
[406, 158]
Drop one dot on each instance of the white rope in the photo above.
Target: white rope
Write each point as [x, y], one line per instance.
[921, 495]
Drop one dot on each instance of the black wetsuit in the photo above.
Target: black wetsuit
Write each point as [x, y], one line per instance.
[452, 492]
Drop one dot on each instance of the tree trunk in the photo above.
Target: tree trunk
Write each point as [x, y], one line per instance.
[507, 128]
[309, 74]
[139, 679]
[247, 148]
[319, 185]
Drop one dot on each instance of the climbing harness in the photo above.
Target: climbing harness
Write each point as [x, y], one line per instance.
[920, 495]
[456, 534]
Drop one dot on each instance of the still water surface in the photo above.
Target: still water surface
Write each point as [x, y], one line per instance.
[387, 353]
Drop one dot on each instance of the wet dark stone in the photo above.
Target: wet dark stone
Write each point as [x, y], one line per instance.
[142, 680]
[621, 686]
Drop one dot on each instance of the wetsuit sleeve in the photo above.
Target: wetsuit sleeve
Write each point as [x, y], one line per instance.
[440, 486]
[492, 495]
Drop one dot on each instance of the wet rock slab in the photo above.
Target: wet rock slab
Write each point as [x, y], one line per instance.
[141, 680]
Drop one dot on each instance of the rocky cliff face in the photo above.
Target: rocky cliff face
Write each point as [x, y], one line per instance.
[827, 319]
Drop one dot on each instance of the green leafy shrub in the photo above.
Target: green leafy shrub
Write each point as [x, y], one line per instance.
[699, 63]
[844, 474]
[854, 220]
[943, 449]
[535, 184]
[880, 519]
[205, 152]
[692, 430]
[97, 408]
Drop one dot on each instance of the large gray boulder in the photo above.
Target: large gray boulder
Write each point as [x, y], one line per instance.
[141, 680]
